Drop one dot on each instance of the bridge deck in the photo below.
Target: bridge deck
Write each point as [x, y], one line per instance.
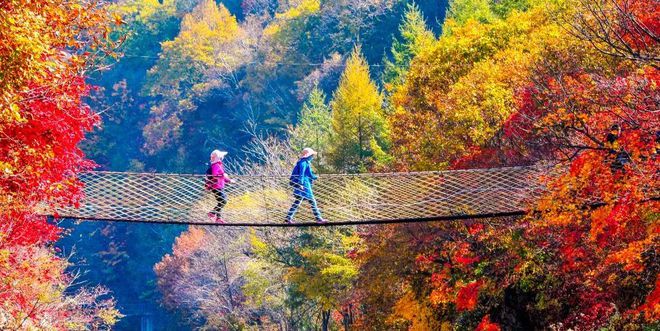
[344, 199]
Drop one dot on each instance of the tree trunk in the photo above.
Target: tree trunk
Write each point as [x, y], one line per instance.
[325, 323]
[348, 317]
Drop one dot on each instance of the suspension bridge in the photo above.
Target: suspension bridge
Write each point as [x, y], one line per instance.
[345, 199]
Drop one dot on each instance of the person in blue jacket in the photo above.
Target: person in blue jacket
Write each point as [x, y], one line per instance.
[301, 180]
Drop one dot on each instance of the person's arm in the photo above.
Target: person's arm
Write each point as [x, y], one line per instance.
[311, 173]
[223, 174]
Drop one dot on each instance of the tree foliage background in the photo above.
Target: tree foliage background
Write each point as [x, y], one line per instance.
[374, 85]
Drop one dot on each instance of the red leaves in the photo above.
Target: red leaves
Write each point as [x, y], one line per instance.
[464, 256]
[43, 119]
[476, 228]
[638, 21]
[602, 125]
[425, 259]
[468, 296]
[592, 308]
[605, 125]
[651, 307]
[487, 325]
[42, 156]
[589, 249]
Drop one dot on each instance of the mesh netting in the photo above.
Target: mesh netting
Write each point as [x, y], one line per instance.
[342, 198]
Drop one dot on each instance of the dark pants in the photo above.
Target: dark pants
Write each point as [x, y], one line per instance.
[221, 198]
[296, 204]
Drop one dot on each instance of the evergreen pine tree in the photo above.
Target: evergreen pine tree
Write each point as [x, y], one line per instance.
[360, 132]
[314, 125]
[415, 36]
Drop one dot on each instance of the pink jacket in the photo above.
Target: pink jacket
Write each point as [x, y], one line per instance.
[219, 177]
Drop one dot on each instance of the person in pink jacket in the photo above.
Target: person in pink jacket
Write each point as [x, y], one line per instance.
[216, 178]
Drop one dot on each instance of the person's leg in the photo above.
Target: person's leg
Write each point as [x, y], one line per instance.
[218, 201]
[213, 215]
[294, 208]
[315, 208]
[221, 197]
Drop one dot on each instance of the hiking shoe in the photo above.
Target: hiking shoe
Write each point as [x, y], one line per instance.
[212, 217]
[219, 220]
[321, 221]
[288, 221]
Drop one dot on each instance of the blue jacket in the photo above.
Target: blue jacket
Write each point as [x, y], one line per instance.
[302, 177]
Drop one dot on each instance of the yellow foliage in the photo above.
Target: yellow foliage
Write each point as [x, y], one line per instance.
[201, 32]
[631, 256]
[34, 35]
[206, 40]
[259, 246]
[460, 90]
[357, 117]
[143, 10]
[302, 9]
[417, 315]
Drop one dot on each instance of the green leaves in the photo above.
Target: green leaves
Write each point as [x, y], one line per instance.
[314, 126]
[415, 37]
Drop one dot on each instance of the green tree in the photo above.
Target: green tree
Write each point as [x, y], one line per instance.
[415, 36]
[504, 7]
[318, 274]
[461, 11]
[314, 125]
[360, 132]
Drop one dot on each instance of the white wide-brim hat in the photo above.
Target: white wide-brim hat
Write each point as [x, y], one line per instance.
[217, 155]
[307, 152]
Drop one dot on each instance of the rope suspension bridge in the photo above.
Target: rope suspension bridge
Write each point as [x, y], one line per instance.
[345, 199]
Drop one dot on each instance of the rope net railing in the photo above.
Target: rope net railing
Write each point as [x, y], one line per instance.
[342, 198]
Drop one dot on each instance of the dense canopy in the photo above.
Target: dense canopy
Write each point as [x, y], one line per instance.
[374, 86]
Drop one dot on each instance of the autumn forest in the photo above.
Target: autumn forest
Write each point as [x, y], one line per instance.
[374, 86]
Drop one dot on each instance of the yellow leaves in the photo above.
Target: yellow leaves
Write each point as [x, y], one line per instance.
[328, 283]
[351, 242]
[357, 117]
[462, 88]
[417, 315]
[210, 41]
[260, 247]
[11, 114]
[272, 29]
[258, 280]
[303, 9]
[143, 10]
[118, 20]
[109, 316]
[203, 33]
[209, 38]
[31, 47]
[209, 21]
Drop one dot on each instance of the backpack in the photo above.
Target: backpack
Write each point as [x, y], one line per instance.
[209, 180]
[294, 179]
